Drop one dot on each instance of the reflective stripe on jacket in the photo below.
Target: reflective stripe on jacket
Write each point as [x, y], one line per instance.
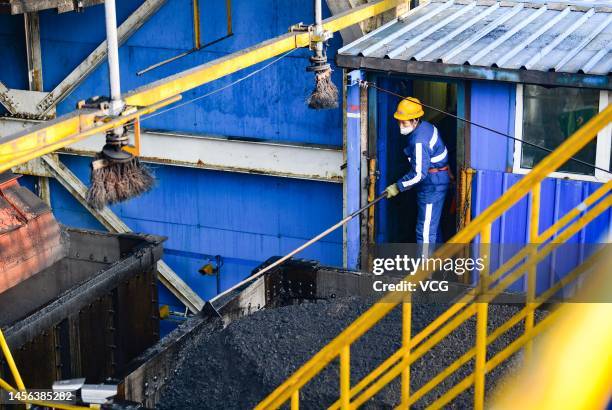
[425, 150]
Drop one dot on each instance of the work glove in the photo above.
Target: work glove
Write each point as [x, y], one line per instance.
[392, 190]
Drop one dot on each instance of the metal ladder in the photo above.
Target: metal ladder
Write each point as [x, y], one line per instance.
[475, 302]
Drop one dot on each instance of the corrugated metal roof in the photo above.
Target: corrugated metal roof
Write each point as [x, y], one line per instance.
[568, 38]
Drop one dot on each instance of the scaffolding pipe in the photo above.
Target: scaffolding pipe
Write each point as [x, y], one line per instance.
[318, 11]
[116, 105]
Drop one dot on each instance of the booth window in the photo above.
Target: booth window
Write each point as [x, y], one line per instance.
[547, 116]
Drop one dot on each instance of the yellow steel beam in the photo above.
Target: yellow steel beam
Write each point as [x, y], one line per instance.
[205, 73]
[50, 136]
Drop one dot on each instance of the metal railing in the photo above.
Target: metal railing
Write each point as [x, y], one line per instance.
[475, 302]
[555, 379]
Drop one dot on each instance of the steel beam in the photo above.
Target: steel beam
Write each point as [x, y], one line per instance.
[223, 154]
[35, 80]
[62, 6]
[33, 51]
[50, 136]
[232, 155]
[125, 30]
[113, 223]
[311, 162]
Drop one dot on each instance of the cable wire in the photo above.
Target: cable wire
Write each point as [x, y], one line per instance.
[366, 84]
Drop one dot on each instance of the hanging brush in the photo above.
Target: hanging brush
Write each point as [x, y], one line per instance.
[116, 175]
[325, 93]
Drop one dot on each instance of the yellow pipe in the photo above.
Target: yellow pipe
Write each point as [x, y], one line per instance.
[295, 400]
[406, 323]
[66, 130]
[228, 8]
[345, 378]
[53, 135]
[205, 73]
[196, 25]
[11, 363]
[534, 239]
[481, 323]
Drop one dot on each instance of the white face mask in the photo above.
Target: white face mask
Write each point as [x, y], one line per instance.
[406, 130]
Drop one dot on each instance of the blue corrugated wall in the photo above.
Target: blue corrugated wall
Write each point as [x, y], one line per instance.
[492, 105]
[244, 218]
[558, 196]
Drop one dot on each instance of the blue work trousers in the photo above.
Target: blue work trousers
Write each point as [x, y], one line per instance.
[430, 202]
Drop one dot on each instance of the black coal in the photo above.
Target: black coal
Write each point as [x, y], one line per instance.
[237, 367]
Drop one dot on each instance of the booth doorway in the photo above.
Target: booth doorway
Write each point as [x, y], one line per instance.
[396, 219]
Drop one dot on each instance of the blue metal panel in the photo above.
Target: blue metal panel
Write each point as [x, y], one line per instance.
[492, 105]
[244, 218]
[382, 152]
[353, 170]
[558, 196]
[12, 53]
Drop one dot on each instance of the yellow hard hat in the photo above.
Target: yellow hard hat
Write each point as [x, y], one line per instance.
[409, 109]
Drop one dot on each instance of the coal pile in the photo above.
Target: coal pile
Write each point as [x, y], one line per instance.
[238, 366]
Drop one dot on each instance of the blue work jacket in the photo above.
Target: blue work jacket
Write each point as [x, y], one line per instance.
[425, 150]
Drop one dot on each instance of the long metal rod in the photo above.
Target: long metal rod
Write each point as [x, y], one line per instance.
[318, 10]
[300, 248]
[112, 44]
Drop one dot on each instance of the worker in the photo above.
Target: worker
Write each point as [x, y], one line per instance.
[428, 168]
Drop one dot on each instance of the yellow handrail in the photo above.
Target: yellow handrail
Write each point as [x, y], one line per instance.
[13, 367]
[466, 314]
[529, 183]
[457, 321]
[555, 379]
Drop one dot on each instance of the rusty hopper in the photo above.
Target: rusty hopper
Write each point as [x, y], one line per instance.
[30, 239]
